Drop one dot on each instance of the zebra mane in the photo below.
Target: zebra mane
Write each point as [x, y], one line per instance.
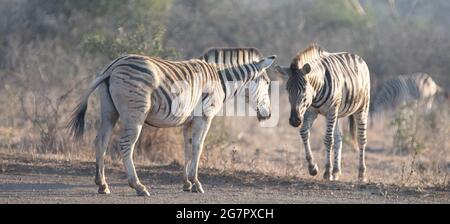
[308, 55]
[229, 55]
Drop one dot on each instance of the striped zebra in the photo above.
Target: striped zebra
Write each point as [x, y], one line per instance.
[147, 90]
[405, 89]
[335, 85]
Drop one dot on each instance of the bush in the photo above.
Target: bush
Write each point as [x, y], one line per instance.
[141, 41]
[413, 125]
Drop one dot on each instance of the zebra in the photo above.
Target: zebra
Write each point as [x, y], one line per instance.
[405, 89]
[335, 85]
[148, 90]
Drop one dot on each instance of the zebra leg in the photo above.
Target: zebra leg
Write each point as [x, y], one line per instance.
[109, 118]
[101, 144]
[361, 121]
[337, 148]
[187, 133]
[200, 127]
[133, 103]
[329, 143]
[309, 118]
[127, 143]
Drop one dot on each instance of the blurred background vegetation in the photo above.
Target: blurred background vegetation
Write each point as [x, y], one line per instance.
[393, 36]
[51, 49]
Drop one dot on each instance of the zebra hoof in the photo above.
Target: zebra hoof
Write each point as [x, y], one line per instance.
[327, 176]
[143, 193]
[141, 190]
[104, 189]
[362, 175]
[362, 179]
[336, 176]
[197, 188]
[313, 170]
[187, 187]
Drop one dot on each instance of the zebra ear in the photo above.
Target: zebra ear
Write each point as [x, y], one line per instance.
[284, 70]
[306, 69]
[266, 62]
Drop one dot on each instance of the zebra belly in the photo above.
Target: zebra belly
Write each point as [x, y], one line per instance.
[341, 115]
[169, 113]
[163, 115]
[163, 121]
[347, 110]
[344, 110]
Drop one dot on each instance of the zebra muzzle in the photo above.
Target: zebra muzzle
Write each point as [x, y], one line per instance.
[263, 116]
[294, 121]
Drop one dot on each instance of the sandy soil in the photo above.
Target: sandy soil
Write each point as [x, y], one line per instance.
[24, 180]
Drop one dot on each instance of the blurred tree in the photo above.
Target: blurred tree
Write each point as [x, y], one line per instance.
[393, 7]
[358, 7]
[138, 30]
[325, 14]
[70, 20]
[140, 41]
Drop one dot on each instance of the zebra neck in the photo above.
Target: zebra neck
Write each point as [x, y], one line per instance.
[234, 79]
[318, 81]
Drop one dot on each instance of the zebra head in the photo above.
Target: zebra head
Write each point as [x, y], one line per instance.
[300, 92]
[258, 94]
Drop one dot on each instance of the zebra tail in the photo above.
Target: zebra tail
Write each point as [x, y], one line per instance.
[76, 123]
[352, 127]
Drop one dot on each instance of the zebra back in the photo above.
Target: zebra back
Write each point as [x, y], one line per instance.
[231, 56]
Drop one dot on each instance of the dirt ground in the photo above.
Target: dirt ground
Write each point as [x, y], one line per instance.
[25, 180]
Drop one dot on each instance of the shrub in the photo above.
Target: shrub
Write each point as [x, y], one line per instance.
[413, 127]
[140, 41]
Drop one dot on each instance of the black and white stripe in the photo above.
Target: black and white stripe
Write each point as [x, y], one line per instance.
[335, 85]
[161, 93]
[406, 89]
[228, 60]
